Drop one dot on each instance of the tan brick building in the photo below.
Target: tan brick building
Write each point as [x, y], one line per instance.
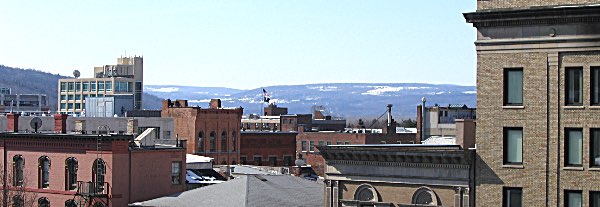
[538, 72]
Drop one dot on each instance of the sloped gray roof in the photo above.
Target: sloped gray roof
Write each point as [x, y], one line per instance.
[250, 190]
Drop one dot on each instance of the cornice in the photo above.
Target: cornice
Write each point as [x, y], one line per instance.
[534, 16]
[399, 164]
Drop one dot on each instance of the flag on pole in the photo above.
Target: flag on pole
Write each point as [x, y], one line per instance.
[266, 96]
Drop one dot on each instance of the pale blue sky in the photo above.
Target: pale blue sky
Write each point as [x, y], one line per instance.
[246, 44]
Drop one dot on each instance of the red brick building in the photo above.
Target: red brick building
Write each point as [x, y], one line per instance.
[86, 170]
[211, 132]
[306, 143]
[268, 148]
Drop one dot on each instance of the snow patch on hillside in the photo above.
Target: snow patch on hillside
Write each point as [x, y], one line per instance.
[163, 90]
[379, 90]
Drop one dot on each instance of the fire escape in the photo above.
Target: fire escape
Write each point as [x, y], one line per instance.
[95, 193]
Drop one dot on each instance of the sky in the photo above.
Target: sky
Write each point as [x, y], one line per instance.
[246, 44]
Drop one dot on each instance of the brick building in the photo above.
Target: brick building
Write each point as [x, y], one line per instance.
[538, 71]
[268, 148]
[211, 132]
[49, 169]
[306, 143]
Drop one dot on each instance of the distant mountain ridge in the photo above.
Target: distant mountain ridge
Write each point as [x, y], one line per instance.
[350, 100]
[30, 81]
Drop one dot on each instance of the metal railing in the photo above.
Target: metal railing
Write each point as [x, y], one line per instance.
[93, 189]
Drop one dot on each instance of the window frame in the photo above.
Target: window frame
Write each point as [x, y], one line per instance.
[43, 175]
[506, 87]
[71, 173]
[176, 175]
[506, 195]
[566, 196]
[567, 147]
[591, 197]
[591, 148]
[505, 145]
[567, 83]
[594, 91]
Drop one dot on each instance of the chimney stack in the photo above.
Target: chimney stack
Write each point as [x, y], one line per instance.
[60, 123]
[132, 125]
[12, 122]
[80, 126]
[419, 123]
[465, 133]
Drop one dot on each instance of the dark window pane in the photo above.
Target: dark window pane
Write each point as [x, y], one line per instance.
[513, 145]
[513, 87]
[595, 86]
[574, 86]
[595, 148]
[573, 199]
[573, 147]
[512, 197]
[595, 199]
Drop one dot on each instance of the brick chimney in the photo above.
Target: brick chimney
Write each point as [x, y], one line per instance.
[465, 133]
[12, 122]
[419, 123]
[60, 123]
[215, 103]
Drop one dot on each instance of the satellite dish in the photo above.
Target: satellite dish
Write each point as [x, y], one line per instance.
[36, 123]
[76, 73]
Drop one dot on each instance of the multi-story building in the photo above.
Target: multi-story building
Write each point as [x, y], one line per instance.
[440, 120]
[123, 79]
[4, 91]
[538, 77]
[60, 169]
[24, 103]
[268, 148]
[212, 132]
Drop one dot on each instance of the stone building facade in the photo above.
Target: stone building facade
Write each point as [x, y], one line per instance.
[212, 132]
[537, 108]
[268, 148]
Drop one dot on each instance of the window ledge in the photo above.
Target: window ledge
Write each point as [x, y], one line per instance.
[573, 168]
[594, 168]
[513, 107]
[573, 107]
[513, 166]
[594, 107]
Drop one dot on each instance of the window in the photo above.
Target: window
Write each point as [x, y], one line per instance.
[176, 173]
[71, 97]
[513, 87]
[594, 198]
[86, 86]
[338, 142]
[93, 86]
[78, 86]
[44, 172]
[233, 140]
[321, 142]
[573, 147]
[71, 86]
[574, 86]
[18, 166]
[213, 141]
[425, 196]
[63, 87]
[77, 106]
[257, 160]
[595, 148]
[573, 198]
[513, 146]
[77, 97]
[595, 86]
[311, 146]
[98, 172]
[243, 160]
[366, 193]
[108, 86]
[101, 86]
[63, 106]
[71, 166]
[287, 160]
[17, 201]
[303, 146]
[43, 202]
[273, 161]
[224, 141]
[347, 142]
[512, 197]
[200, 141]
[328, 142]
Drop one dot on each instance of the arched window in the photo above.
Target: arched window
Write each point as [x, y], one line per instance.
[366, 192]
[233, 141]
[213, 141]
[70, 203]
[201, 141]
[224, 141]
[18, 166]
[43, 172]
[17, 201]
[43, 202]
[98, 172]
[425, 196]
[71, 166]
